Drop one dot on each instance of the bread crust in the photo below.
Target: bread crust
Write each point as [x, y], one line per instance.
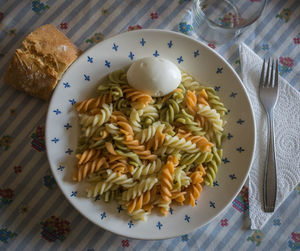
[45, 55]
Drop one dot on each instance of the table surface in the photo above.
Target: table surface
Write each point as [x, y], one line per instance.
[31, 204]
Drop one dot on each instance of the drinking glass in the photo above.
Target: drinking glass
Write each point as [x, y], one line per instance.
[219, 21]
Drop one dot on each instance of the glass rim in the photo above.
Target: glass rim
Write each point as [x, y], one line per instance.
[230, 28]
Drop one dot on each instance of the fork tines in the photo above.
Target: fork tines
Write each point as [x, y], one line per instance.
[268, 82]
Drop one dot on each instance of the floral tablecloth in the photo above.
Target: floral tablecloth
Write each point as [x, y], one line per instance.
[34, 215]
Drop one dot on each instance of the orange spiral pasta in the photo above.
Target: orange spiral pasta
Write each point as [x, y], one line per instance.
[196, 177]
[166, 183]
[122, 121]
[112, 158]
[125, 128]
[88, 155]
[140, 150]
[201, 142]
[201, 169]
[156, 141]
[136, 95]
[153, 194]
[191, 102]
[104, 135]
[142, 201]
[192, 193]
[178, 197]
[201, 120]
[177, 90]
[181, 133]
[88, 168]
[119, 167]
[118, 164]
[202, 98]
[118, 116]
[110, 148]
[195, 188]
[93, 105]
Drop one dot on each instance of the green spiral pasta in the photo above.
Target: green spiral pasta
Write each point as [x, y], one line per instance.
[168, 113]
[215, 103]
[196, 158]
[185, 118]
[120, 145]
[179, 95]
[97, 144]
[82, 145]
[212, 167]
[122, 105]
[118, 77]
[134, 157]
[149, 115]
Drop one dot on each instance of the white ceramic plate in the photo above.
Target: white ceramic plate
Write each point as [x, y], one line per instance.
[80, 82]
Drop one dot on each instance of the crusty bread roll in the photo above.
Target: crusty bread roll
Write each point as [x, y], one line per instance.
[45, 55]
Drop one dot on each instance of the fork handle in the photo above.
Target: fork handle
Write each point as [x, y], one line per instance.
[270, 177]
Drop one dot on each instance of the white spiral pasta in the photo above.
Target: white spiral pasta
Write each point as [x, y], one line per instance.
[135, 120]
[139, 214]
[165, 150]
[122, 180]
[98, 119]
[110, 195]
[149, 111]
[99, 189]
[181, 178]
[89, 131]
[111, 181]
[138, 106]
[141, 187]
[147, 133]
[185, 78]
[148, 169]
[112, 128]
[182, 144]
[163, 205]
[212, 115]
[188, 82]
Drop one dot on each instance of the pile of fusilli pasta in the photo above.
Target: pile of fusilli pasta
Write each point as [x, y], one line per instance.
[149, 152]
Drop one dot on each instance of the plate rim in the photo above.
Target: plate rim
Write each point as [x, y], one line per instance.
[216, 54]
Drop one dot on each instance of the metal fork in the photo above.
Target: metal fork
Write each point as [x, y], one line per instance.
[268, 89]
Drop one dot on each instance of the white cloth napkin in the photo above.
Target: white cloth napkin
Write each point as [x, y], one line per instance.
[287, 137]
